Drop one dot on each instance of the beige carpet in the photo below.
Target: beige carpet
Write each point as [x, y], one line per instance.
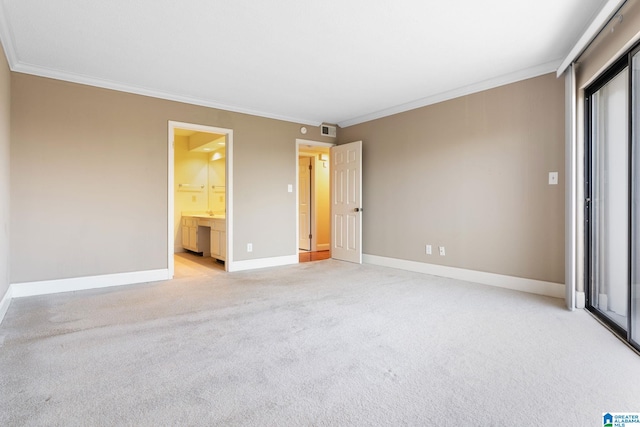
[320, 343]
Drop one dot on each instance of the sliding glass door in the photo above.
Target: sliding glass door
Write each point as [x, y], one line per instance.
[612, 203]
[609, 207]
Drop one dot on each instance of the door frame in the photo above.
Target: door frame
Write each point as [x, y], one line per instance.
[172, 125]
[624, 61]
[307, 142]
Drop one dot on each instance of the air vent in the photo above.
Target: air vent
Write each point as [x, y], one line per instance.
[326, 130]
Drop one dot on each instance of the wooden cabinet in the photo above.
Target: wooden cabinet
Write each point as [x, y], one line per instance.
[195, 235]
[190, 233]
[218, 239]
[205, 235]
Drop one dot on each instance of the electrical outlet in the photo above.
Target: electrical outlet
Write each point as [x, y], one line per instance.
[249, 247]
[441, 248]
[553, 178]
[428, 249]
[193, 199]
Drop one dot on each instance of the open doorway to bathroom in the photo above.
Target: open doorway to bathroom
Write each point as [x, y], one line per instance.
[200, 195]
[313, 200]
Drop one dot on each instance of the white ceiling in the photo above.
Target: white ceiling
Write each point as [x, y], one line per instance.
[314, 61]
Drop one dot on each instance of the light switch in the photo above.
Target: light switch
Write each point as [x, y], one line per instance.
[553, 178]
[290, 188]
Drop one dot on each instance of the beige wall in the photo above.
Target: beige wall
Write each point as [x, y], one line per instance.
[89, 177]
[89, 180]
[470, 174]
[5, 134]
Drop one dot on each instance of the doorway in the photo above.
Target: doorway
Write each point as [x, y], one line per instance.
[313, 220]
[215, 146]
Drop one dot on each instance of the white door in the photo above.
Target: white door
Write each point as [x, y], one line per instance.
[346, 202]
[304, 203]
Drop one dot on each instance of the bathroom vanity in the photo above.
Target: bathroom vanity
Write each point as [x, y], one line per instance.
[206, 234]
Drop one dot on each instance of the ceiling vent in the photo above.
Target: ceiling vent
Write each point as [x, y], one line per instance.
[326, 130]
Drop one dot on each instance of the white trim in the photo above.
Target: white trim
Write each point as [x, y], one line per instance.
[598, 23]
[456, 93]
[314, 143]
[229, 199]
[252, 264]
[47, 287]
[172, 125]
[323, 247]
[571, 204]
[6, 301]
[171, 240]
[297, 191]
[539, 287]
[20, 67]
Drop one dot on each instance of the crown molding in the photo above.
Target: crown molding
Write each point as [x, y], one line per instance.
[528, 73]
[21, 67]
[517, 76]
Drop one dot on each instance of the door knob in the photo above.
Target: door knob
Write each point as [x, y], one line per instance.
[357, 210]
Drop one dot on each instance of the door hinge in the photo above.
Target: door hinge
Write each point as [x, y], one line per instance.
[310, 167]
[309, 236]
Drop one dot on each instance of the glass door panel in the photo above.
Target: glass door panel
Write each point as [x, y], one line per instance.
[635, 203]
[609, 209]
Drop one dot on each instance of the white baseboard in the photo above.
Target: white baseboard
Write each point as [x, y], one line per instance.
[83, 283]
[262, 263]
[4, 304]
[581, 300]
[539, 287]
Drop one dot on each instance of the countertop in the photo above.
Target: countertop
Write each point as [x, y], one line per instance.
[204, 215]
